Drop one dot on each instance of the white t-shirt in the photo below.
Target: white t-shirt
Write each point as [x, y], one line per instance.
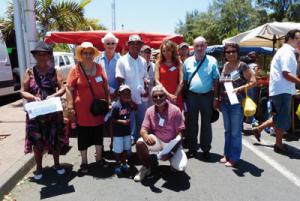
[133, 72]
[283, 60]
[150, 78]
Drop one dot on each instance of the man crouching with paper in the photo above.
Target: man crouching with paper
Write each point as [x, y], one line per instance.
[161, 133]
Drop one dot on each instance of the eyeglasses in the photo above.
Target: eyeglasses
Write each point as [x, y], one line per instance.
[110, 43]
[147, 52]
[87, 53]
[158, 96]
[229, 52]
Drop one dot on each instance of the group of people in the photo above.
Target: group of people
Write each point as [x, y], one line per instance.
[150, 104]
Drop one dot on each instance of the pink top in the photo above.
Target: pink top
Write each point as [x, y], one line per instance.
[173, 122]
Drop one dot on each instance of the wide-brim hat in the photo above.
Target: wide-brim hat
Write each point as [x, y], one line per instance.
[85, 45]
[42, 47]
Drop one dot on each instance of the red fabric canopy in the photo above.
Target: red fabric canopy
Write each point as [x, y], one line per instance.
[152, 39]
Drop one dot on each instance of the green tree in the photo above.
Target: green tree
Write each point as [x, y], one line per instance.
[224, 18]
[281, 10]
[54, 15]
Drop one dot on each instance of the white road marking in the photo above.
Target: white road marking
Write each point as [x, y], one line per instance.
[280, 168]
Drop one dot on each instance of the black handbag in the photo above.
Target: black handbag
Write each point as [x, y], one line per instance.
[98, 106]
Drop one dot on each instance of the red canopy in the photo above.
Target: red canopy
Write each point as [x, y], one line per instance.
[152, 39]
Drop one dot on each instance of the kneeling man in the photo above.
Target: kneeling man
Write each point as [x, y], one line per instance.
[163, 122]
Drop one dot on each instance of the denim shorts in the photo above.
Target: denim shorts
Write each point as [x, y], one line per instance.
[282, 110]
[121, 144]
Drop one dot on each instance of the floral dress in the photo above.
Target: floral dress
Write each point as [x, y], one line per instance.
[45, 130]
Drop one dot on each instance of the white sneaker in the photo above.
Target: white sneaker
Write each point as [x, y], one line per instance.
[142, 174]
[38, 175]
[60, 170]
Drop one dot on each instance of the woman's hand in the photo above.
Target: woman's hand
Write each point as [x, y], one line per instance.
[172, 98]
[36, 98]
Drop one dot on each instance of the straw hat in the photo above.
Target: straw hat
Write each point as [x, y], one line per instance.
[85, 45]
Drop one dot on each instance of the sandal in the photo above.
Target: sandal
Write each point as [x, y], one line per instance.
[223, 160]
[83, 169]
[230, 163]
[256, 133]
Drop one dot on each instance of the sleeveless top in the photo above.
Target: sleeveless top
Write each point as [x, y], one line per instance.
[237, 78]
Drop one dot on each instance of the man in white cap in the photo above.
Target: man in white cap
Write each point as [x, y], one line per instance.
[130, 70]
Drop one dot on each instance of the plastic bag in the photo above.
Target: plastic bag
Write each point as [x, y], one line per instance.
[248, 105]
[298, 112]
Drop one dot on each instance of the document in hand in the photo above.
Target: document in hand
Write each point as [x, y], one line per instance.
[231, 95]
[38, 108]
[168, 147]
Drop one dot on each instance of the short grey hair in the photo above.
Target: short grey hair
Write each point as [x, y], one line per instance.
[109, 35]
[158, 88]
[199, 39]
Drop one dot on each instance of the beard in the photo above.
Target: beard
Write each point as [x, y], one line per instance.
[160, 104]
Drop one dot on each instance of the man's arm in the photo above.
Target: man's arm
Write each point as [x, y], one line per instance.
[146, 137]
[290, 77]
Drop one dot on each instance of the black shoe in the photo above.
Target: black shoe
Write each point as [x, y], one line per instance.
[206, 155]
[281, 150]
[256, 133]
[103, 163]
[192, 153]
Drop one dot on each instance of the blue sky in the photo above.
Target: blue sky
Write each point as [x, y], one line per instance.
[140, 15]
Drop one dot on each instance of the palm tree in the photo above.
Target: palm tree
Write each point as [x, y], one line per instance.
[65, 15]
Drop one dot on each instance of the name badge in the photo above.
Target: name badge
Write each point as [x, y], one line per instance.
[98, 79]
[172, 68]
[235, 75]
[161, 122]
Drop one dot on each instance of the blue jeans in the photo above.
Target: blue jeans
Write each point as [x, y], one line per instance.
[233, 124]
[136, 120]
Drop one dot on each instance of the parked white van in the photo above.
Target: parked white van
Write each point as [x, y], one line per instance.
[64, 61]
[7, 80]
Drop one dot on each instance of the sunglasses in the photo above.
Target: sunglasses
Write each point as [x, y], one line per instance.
[87, 53]
[158, 96]
[110, 43]
[229, 52]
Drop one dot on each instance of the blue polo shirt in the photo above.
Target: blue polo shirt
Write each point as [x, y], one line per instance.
[202, 82]
[110, 68]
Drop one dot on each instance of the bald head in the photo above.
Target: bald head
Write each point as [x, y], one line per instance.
[200, 46]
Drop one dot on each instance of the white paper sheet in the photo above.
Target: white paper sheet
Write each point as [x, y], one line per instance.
[168, 147]
[38, 108]
[231, 95]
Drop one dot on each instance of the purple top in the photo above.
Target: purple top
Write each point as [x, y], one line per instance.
[173, 122]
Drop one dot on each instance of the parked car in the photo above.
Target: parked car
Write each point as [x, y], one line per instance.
[9, 77]
[64, 61]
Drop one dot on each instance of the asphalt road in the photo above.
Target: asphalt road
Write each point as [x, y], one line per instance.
[261, 175]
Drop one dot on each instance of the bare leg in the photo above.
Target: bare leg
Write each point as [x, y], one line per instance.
[98, 152]
[123, 157]
[279, 134]
[84, 157]
[143, 154]
[265, 124]
[38, 156]
[55, 157]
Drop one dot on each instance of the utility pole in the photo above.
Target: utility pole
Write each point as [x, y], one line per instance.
[19, 38]
[113, 8]
[25, 29]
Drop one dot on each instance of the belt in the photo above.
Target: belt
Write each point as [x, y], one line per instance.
[200, 94]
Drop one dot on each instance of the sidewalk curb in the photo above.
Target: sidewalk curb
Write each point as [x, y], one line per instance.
[13, 175]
